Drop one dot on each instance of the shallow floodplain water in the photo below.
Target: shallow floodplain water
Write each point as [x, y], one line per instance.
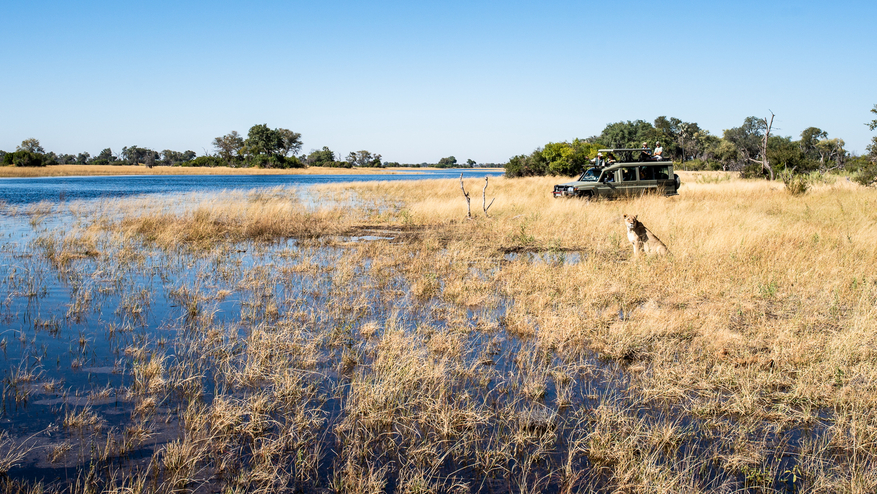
[80, 334]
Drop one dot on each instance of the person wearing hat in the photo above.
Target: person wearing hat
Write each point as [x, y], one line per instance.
[659, 151]
[645, 154]
[598, 161]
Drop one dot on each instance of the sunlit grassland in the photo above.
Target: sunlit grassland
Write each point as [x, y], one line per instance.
[384, 340]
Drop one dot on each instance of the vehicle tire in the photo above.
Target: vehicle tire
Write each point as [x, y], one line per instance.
[586, 196]
[678, 182]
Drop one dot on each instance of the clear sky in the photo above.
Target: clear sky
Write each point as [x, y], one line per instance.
[417, 81]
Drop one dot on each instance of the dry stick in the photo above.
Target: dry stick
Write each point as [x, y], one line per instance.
[466, 195]
[484, 199]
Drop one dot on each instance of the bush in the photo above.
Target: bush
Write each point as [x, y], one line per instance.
[796, 184]
[866, 175]
[268, 161]
[100, 161]
[27, 158]
[208, 161]
[527, 166]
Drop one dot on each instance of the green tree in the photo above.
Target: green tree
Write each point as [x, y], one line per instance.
[873, 123]
[747, 141]
[106, 154]
[626, 134]
[831, 151]
[135, 155]
[448, 162]
[32, 145]
[364, 159]
[66, 159]
[269, 148]
[290, 142]
[25, 157]
[324, 157]
[527, 166]
[263, 140]
[786, 154]
[568, 159]
[228, 147]
[809, 138]
[471, 163]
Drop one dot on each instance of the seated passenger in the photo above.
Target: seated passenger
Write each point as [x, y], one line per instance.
[610, 158]
[659, 152]
[644, 154]
[609, 177]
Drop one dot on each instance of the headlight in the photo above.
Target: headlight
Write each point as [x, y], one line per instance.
[570, 189]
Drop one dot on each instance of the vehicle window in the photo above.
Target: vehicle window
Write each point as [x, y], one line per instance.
[662, 172]
[590, 176]
[647, 173]
[628, 174]
[609, 177]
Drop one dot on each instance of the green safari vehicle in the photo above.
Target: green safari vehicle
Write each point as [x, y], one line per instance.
[620, 173]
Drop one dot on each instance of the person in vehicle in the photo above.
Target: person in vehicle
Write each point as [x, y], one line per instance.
[598, 161]
[610, 158]
[658, 155]
[644, 154]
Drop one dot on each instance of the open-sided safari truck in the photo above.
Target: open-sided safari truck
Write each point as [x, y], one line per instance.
[622, 172]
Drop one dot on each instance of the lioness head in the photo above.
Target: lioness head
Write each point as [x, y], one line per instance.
[630, 221]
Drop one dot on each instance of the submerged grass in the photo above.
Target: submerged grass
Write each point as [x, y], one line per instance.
[455, 355]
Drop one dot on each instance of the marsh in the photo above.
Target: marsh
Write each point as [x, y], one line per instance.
[370, 338]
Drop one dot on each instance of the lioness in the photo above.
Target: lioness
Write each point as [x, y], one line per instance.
[642, 238]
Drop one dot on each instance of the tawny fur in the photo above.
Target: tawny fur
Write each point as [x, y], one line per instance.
[642, 238]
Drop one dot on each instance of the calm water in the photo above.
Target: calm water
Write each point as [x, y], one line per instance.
[23, 191]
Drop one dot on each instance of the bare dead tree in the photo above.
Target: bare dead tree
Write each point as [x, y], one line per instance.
[765, 165]
[466, 195]
[484, 204]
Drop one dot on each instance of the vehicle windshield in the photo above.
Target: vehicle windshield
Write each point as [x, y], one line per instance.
[590, 176]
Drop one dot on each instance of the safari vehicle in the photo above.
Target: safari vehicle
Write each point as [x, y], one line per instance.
[622, 172]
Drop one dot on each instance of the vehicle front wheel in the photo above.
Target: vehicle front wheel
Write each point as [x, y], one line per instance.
[586, 196]
[678, 182]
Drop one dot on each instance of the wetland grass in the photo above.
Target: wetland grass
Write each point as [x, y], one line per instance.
[396, 346]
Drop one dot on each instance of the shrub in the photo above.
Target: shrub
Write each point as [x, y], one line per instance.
[269, 161]
[27, 158]
[796, 184]
[209, 161]
[866, 175]
[527, 166]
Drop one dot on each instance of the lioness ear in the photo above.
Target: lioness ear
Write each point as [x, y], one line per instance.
[625, 216]
[633, 217]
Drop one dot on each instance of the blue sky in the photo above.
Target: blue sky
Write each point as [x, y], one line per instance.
[417, 81]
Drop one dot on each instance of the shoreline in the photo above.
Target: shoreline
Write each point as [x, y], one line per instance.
[114, 170]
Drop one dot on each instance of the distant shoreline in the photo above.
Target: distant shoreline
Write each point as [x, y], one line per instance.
[113, 170]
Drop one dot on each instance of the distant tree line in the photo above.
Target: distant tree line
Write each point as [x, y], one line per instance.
[740, 149]
[263, 147]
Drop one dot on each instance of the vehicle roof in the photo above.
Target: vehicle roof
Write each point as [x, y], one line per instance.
[628, 164]
[610, 150]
